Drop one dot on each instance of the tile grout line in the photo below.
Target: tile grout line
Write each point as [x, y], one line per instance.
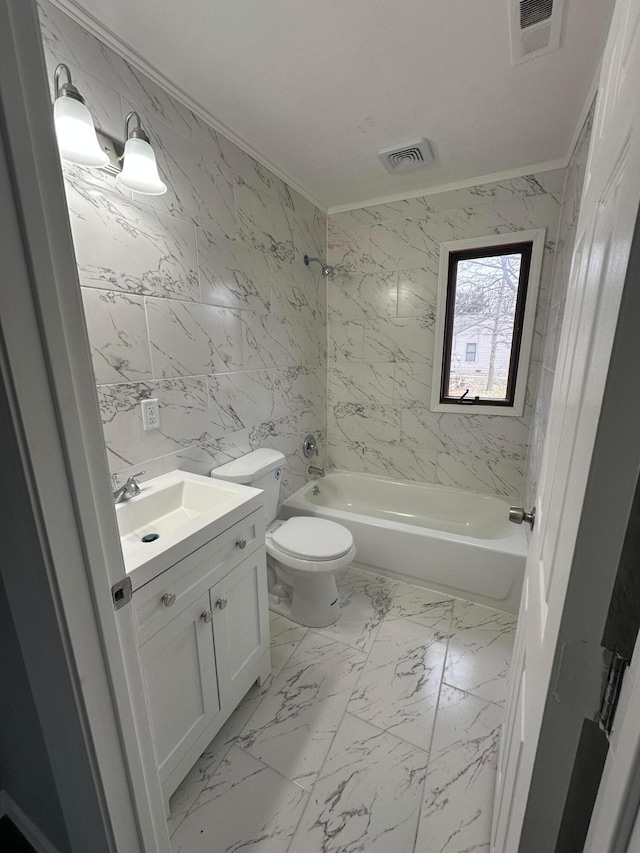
[384, 731]
[433, 729]
[386, 617]
[473, 695]
[273, 770]
[233, 743]
[440, 682]
[344, 713]
[443, 683]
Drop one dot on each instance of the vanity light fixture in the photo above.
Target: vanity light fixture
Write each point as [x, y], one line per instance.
[140, 170]
[75, 131]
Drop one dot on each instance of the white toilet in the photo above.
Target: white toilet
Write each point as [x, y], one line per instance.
[304, 554]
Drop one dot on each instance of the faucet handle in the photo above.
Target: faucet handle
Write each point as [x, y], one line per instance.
[310, 446]
[132, 485]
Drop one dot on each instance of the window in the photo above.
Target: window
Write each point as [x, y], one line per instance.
[488, 292]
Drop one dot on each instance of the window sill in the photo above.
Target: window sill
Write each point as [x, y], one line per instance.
[479, 409]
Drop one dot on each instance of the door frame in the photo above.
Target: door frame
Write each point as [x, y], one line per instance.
[595, 527]
[611, 485]
[615, 822]
[87, 688]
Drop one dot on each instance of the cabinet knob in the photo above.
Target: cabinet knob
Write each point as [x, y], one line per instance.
[207, 616]
[242, 544]
[221, 603]
[169, 599]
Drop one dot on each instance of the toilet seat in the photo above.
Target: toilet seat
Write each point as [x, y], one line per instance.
[312, 567]
[314, 539]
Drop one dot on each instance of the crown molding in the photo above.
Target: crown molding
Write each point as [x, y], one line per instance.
[88, 22]
[73, 9]
[455, 185]
[584, 112]
[549, 166]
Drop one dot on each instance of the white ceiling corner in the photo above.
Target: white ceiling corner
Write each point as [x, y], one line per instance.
[313, 90]
[96, 28]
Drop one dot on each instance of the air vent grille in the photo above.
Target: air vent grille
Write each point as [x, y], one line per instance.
[402, 158]
[534, 12]
[408, 158]
[535, 39]
[535, 28]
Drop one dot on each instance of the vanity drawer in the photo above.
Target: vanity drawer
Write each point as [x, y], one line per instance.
[161, 599]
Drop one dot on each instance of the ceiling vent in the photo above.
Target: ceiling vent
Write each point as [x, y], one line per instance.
[535, 28]
[403, 158]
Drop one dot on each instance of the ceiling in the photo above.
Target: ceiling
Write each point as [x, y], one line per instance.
[317, 87]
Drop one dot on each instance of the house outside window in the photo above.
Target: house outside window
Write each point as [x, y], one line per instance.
[487, 292]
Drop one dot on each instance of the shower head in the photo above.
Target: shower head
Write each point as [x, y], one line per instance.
[326, 269]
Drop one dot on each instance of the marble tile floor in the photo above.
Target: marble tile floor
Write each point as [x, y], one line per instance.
[378, 734]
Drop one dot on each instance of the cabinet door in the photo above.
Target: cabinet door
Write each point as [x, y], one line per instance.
[240, 625]
[179, 670]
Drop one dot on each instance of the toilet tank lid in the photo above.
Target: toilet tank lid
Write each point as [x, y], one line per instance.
[251, 466]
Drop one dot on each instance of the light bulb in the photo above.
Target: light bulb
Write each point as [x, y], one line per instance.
[140, 170]
[76, 134]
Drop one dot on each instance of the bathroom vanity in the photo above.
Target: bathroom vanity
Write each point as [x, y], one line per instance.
[199, 606]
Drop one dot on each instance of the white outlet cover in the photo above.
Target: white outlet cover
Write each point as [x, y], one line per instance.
[150, 414]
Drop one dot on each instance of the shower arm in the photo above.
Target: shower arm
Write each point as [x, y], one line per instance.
[326, 268]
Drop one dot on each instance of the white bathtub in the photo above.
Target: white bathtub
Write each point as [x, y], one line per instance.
[458, 542]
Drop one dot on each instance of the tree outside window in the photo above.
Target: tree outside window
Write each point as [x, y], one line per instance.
[485, 300]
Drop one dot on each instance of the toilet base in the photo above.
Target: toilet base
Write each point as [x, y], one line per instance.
[283, 608]
[313, 602]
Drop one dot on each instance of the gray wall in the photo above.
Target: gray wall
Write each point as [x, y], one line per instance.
[199, 297]
[25, 772]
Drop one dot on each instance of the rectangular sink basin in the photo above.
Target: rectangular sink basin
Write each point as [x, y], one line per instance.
[177, 513]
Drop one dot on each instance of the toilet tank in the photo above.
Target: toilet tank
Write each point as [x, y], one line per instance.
[261, 469]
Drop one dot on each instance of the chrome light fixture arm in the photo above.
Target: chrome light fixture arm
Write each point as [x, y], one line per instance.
[138, 131]
[67, 89]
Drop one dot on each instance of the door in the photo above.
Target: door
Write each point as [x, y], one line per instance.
[179, 671]
[588, 477]
[79, 652]
[240, 625]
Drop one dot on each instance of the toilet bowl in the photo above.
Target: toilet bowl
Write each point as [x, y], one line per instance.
[304, 554]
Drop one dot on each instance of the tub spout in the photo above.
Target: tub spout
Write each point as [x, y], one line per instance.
[314, 471]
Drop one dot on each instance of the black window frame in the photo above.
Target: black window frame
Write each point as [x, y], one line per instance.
[523, 248]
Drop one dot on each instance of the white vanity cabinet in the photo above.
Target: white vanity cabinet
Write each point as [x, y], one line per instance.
[203, 639]
[179, 669]
[240, 626]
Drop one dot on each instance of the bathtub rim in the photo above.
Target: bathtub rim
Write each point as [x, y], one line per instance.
[515, 543]
[441, 589]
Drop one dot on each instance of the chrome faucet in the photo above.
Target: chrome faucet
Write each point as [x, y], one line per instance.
[129, 490]
[314, 471]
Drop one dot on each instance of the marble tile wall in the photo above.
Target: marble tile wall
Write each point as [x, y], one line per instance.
[198, 297]
[381, 317]
[566, 238]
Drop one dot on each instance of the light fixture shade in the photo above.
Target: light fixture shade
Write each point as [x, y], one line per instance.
[76, 134]
[140, 170]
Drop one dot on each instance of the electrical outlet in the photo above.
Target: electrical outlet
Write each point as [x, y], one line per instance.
[150, 414]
